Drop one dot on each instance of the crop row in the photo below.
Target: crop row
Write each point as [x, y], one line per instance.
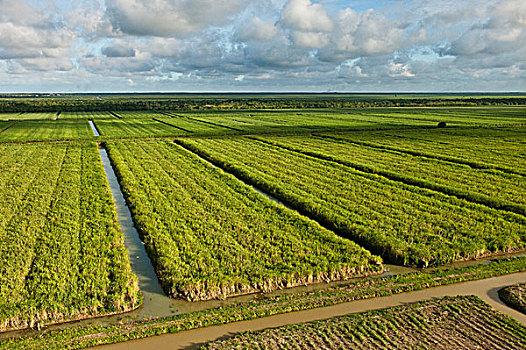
[46, 130]
[27, 116]
[447, 323]
[498, 148]
[490, 187]
[135, 128]
[80, 337]
[403, 223]
[61, 252]
[211, 236]
[85, 115]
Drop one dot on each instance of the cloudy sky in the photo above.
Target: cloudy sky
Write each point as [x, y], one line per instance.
[262, 45]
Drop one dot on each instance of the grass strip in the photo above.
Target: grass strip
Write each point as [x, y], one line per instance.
[82, 337]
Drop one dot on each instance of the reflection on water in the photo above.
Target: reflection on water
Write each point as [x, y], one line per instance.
[158, 305]
[93, 128]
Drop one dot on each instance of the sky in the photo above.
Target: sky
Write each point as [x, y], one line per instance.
[262, 45]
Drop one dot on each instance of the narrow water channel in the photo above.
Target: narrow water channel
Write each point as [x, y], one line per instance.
[156, 303]
[258, 190]
[93, 128]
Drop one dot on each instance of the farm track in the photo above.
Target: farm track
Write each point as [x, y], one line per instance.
[485, 289]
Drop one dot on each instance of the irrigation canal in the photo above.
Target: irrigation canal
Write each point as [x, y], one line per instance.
[158, 305]
[484, 289]
[93, 128]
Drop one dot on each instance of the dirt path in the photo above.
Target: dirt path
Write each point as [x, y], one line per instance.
[485, 289]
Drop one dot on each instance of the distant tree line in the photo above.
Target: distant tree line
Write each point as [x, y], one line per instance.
[312, 101]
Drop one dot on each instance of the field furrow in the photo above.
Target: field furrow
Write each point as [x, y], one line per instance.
[206, 231]
[403, 223]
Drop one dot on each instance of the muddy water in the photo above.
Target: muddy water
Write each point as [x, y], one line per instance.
[156, 303]
[485, 289]
[93, 128]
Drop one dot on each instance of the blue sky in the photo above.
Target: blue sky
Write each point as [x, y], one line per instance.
[262, 45]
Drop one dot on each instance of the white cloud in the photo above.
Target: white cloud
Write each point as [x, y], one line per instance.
[306, 16]
[170, 18]
[257, 30]
[399, 70]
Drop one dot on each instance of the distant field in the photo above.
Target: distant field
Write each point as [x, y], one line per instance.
[61, 251]
[46, 130]
[448, 323]
[211, 236]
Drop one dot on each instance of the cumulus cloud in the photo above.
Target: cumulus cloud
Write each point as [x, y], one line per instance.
[257, 30]
[307, 44]
[309, 23]
[29, 31]
[177, 18]
[306, 16]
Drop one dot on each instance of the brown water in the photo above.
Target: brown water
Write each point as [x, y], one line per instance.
[484, 289]
[156, 303]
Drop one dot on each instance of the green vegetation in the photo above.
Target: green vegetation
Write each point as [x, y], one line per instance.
[444, 323]
[82, 337]
[62, 254]
[141, 102]
[514, 296]
[402, 223]
[484, 148]
[27, 116]
[490, 187]
[387, 178]
[47, 130]
[134, 128]
[85, 115]
[211, 236]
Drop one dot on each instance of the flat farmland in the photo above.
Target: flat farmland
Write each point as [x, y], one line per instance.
[211, 236]
[448, 323]
[61, 250]
[27, 116]
[491, 187]
[362, 188]
[403, 223]
[46, 130]
[135, 128]
[487, 148]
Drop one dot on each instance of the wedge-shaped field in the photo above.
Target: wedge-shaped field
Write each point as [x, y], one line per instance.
[211, 236]
[62, 255]
[403, 223]
[448, 323]
[46, 130]
[487, 186]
